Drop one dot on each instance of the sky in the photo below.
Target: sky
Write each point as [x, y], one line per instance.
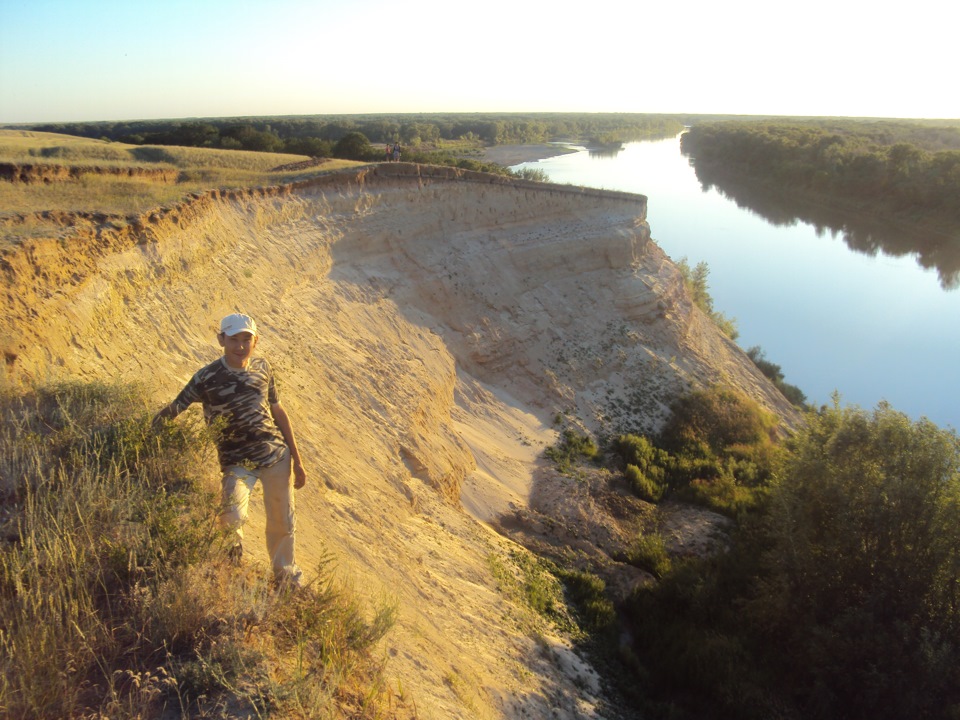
[84, 60]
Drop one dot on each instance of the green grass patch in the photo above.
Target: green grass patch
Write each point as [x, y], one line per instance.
[587, 594]
[571, 447]
[649, 553]
[533, 581]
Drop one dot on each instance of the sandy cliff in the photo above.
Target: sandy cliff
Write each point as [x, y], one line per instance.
[428, 326]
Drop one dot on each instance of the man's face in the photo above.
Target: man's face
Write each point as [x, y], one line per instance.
[238, 348]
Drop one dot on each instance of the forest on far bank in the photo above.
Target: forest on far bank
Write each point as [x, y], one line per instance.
[909, 169]
[317, 135]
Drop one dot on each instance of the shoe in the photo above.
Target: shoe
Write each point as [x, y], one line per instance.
[289, 577]
[235, 554]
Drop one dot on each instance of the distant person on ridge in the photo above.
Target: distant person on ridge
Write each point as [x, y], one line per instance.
[256, 442]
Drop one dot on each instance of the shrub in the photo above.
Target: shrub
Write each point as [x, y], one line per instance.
[723, 493]
[533, 581]
[643, 486]
[715, 420]
[636, 450]
[354, 146]
[865, 563]
[570, 448]
[649, 553]
[534, 174]
[723, 453]
[717, 449]
[588, 595]
[773, 372]
[646, 457]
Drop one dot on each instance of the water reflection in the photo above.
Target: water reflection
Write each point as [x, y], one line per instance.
[874, 328]
[610, 150]
[865, 234]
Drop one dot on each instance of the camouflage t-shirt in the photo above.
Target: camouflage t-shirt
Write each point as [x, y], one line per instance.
[243, 399]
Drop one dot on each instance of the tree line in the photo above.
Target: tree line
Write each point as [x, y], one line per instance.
[910, 169]
[318, 135]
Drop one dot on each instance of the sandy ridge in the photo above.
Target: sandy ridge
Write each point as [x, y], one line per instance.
[428, 326]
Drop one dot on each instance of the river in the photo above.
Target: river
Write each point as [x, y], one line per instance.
[870, 326]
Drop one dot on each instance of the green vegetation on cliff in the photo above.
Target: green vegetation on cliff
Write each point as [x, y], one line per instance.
[837, 596]
[695, 280]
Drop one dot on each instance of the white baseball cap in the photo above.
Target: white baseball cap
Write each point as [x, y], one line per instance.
[238, 323]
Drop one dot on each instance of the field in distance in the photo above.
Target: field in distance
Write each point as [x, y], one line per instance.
[48, 176]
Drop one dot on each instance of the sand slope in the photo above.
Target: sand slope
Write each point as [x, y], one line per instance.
[429, 326]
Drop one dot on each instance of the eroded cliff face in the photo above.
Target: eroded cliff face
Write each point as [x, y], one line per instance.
[49, 173]
[428, 325]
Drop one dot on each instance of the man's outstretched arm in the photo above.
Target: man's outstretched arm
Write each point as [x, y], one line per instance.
[168, 413]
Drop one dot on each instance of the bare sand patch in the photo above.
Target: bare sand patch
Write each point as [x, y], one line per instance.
[509, 155]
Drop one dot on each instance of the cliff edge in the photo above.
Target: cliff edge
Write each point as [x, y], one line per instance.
[429, 326]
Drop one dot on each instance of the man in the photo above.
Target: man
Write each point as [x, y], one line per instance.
[255, 442]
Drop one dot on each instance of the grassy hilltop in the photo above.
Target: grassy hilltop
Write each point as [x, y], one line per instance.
[72, 175]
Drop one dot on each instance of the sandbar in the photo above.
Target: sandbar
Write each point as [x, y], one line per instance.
[508, 155]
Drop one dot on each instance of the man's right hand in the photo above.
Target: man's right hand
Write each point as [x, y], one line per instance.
[160, 419]
[299, 475]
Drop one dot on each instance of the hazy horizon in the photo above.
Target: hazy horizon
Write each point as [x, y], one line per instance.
[104, 60]
[192, 118]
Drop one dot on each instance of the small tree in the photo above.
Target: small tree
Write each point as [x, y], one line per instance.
[865, 566]
[718, 418]
[312, 146]
[353, 146]
[252, 139]
[695, 281]
[773, 371]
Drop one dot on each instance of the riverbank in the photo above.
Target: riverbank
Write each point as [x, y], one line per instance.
[509, 155]
[882, 327]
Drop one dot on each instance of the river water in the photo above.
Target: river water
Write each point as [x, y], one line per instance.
[871, 327]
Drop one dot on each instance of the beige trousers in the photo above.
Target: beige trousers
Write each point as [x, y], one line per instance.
[278, 501]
